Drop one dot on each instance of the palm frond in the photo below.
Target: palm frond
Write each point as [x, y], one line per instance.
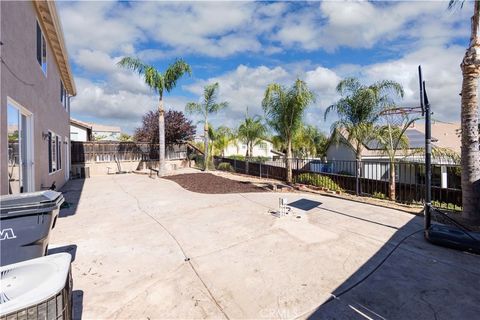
[193, 107]
[134, 64]
[214, 108]
[174, 72]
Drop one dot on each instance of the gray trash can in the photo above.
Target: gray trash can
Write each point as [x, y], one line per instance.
[25, 223]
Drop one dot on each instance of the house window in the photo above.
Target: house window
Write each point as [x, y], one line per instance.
[58, 141]
[52, 152]
[63, 95]
[41, 49]
[50, 164]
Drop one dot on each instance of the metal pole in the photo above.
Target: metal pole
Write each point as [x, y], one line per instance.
[428, 150]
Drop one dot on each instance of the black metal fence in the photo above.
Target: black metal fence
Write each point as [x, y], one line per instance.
[367, 178]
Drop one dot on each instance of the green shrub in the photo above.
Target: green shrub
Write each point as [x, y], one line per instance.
[225, 166]
[445, 205]
[199, 163]
[379, 195]
[251, 159]
[318, 181]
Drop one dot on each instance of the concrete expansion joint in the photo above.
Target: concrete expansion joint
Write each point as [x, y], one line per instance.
[186, 258]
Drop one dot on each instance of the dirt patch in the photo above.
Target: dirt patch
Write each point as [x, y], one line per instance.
[213, 184]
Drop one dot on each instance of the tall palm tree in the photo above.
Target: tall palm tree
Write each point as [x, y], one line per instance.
[358, 109]
[251, 132]
[284, 109]
[206, 107]
[470, 153]
[159, 82]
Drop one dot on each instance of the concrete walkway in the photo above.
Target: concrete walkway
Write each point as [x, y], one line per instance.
[146, 248]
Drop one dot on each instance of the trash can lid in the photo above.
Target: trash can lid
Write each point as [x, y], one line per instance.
[31, 202]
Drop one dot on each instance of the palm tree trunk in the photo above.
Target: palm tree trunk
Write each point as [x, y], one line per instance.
[392, 194]
[206, 155]
[161, 138]
[358, 167]
[288, 161]
[470, 154]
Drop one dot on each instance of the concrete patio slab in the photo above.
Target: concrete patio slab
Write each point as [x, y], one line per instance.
[146, 248]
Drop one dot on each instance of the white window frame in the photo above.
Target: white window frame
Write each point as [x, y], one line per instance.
[53, 152]
[64, 96]
[43, 44]
[30, 186]
[59, 160]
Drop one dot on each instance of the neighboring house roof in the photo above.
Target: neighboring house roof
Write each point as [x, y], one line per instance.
[48, 18]
[447, 134]
[79, 123]
[95, 127]
[103, 128]
[444, 135]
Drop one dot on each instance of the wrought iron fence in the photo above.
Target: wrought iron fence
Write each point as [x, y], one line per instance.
[366, 178]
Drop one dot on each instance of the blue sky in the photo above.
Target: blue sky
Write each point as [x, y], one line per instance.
[247, 45]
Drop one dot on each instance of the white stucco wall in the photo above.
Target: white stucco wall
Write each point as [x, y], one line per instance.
[261, 150]
[106, 135]
[78, 133]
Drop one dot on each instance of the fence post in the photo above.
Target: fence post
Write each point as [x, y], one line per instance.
[357, 177]
[260, 170]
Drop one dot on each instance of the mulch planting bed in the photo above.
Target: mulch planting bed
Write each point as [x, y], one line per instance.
[210, 183]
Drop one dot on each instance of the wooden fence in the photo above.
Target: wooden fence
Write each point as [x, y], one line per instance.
[109, 151]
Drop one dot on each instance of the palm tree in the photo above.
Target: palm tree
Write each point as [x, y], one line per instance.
[222, 137]
[391, 138]
[358, 110]
[208, 106]
[284, 109]
[309, 142]
[159, 82]
[470, 152]
[251, 132]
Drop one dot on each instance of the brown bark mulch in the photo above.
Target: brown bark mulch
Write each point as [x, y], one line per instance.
[212, 184]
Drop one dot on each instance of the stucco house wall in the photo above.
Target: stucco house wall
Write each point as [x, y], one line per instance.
[25, 84]
[263, 149]
[340, 151]
[106, 135]
[78, 133]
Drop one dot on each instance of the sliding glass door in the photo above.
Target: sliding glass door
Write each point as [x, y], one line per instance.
[20, 150]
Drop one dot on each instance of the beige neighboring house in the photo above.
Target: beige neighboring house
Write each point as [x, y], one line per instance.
[262, 149]
[86, 131]
[35, 88]
[445, 135]
[80, 131]
[102, 132]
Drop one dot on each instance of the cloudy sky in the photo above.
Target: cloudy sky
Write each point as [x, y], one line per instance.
[247, 45]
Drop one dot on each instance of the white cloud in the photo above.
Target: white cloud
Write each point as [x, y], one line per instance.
[441, 71]
[245, 87]
[99, 33]
[119, 107]
[362, 24]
